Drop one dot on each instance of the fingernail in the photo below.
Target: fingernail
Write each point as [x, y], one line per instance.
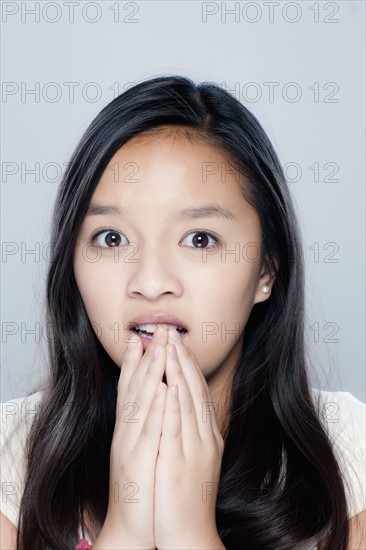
[132, 342]
[158, 333]
[173, 351]
[174, 336]
[175, 391]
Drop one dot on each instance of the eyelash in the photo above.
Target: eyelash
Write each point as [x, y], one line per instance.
[94, 237]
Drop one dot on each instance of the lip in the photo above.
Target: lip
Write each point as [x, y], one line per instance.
[156, 319]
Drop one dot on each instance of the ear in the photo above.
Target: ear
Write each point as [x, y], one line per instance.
[264, 284]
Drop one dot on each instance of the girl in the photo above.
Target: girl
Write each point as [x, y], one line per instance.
[178, 412]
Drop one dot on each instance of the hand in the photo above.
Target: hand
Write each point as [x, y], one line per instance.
[189, 460]
[129, 522]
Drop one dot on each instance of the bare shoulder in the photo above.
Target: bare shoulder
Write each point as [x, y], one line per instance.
[8, 533]
[357, 533]
[357, 538]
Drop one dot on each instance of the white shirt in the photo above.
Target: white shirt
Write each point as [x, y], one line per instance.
[342, 415]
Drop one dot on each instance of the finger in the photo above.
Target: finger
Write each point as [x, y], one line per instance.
[141, 400]
[171, 444]
[175, 375]
[131, 360]
[134, 365]
[161, 334]
[204, 406]
[153, 424]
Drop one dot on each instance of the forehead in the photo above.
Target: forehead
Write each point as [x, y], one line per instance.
[165, 178]
[165, 164]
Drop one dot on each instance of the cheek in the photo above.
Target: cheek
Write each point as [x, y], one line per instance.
[103, 306]
[222, 301]
[225, 294]
[85, 280]
[98, 292]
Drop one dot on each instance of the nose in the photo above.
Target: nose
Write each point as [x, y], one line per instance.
[154, 274]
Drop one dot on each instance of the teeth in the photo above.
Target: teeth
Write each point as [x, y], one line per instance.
[151, 328]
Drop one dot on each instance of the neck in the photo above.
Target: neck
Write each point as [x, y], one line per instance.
[220, 386]
[220, 391]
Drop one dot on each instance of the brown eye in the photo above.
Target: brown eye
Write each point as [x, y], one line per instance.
[113, 239]
[108, 239]
[201, 239]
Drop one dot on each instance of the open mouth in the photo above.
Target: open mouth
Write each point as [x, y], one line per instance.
[148, 332]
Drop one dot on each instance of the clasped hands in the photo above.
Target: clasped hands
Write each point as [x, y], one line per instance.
[166, 454]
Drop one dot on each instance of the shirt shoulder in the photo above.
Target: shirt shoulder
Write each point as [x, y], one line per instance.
[16, 417]
[344, 418]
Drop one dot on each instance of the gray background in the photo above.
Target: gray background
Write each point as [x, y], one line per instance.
[313, 51]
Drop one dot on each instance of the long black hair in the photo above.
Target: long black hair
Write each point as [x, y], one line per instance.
[280, 483]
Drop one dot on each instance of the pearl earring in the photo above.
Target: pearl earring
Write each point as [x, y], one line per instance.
[265, 289]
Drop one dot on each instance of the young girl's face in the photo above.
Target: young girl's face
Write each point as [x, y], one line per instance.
[156, 251]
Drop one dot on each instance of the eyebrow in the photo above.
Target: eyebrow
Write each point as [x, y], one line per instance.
[206, 211]
[99, 210]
